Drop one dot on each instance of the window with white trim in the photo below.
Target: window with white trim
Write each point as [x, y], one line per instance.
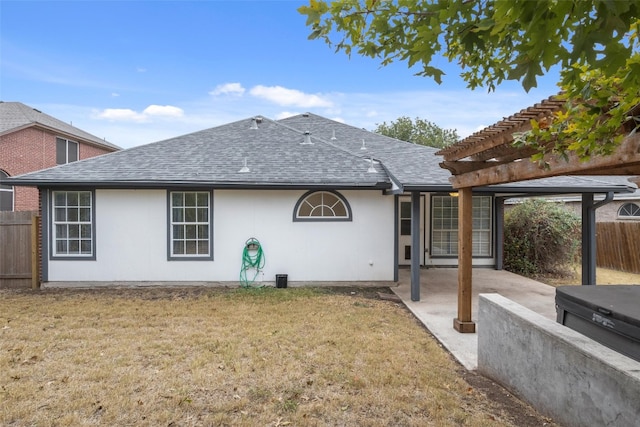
[73, 224]
[6, 194]
[444, 226]
[629, 211]
[322, 206]
[66, 151]
[190, 225]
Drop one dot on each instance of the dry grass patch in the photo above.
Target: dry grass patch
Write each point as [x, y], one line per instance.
[604, 276]
[225, 357]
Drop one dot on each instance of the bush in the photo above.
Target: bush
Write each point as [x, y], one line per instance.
[540, 238]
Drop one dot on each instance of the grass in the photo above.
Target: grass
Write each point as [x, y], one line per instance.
[604, 276]
[268, 357]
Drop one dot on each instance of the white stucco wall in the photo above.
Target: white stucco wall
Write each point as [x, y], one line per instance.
[131, 239]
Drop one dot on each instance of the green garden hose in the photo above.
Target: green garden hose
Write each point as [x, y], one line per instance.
[252, 259]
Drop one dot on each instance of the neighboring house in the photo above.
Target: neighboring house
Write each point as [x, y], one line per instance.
[327, 201]
[31, 140]
[624, 207]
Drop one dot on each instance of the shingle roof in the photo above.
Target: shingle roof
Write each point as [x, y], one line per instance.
[276, 157]
[274, 153]
[410, 164]
[418, 167]
[16, 115]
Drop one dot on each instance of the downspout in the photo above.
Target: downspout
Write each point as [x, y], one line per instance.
[589, 236]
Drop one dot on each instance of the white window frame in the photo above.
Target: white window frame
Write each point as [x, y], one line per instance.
[327, 210]
[73, 225]
[444, 222]
[186, 231]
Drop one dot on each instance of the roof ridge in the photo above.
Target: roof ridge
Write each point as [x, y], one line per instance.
[326, 142]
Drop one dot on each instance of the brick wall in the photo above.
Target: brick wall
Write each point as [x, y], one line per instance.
[606, 213]
[29, 150]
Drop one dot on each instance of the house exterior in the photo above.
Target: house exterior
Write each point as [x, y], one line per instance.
[625, 207]
[31, 140]
[327, 202]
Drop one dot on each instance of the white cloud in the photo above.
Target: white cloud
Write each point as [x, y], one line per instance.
[129, 115]
[115, 95]
[163, 111]
[121, 114]
[289, 97]
[228, 89]
[285, 114]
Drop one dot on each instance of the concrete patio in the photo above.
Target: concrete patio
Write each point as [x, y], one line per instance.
[438, 304]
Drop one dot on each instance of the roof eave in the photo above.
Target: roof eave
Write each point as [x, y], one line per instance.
[195, 184]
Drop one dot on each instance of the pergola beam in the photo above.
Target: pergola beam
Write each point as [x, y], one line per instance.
[626, 156]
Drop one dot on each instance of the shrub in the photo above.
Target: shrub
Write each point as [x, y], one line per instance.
[540, 238]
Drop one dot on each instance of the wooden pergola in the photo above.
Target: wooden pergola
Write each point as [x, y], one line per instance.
[488, 157]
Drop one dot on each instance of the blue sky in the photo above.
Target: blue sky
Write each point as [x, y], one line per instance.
[136, 72]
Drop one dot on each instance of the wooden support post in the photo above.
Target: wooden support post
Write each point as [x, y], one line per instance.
[463, 323]
[35, 259]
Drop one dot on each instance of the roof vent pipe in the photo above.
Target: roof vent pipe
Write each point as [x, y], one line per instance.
[371, 168]
[254, 123]
[307, 138]
[364, 146]
[333, 135]
[245, 168]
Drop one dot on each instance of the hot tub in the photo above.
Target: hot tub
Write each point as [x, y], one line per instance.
[607, 314]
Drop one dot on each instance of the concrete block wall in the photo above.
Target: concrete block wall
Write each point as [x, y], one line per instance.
[562, 373]
[32, 149]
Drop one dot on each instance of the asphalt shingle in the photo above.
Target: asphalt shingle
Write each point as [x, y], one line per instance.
[277, 156]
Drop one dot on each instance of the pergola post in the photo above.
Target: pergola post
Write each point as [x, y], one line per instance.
[463, 323]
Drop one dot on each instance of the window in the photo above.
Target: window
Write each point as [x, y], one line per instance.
[66, 151]
[630, 211]
[73, 224]
[322, 206]
[405, 219]
[190, 228]
[444, 226]
[6, 194]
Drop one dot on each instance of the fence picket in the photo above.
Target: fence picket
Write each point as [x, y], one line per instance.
[16, 249]
[618, 246]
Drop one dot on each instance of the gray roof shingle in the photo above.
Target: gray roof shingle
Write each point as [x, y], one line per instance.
[410, 164]
[274, 153]
[277, 157]
[16, 115]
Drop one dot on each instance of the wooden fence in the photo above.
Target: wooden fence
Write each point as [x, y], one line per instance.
[19, 250]
[618, 246]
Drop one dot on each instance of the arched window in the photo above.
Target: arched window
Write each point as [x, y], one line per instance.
[322, 206]
[6, 194]
[629, 210]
